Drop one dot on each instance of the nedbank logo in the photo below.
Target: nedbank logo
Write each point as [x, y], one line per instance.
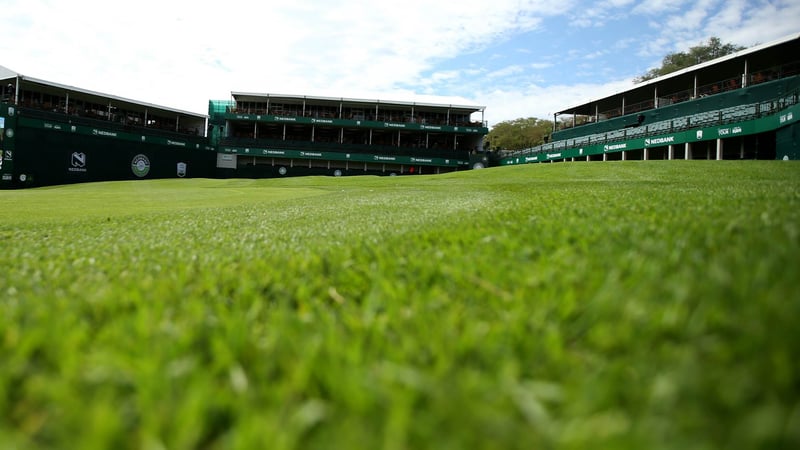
[140, 165]
[78, 162]
[78, 159]
[662, 140]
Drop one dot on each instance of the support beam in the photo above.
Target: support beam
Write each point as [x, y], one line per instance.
[671, 152]
[745, 74]
[687, 153]
[719, 149]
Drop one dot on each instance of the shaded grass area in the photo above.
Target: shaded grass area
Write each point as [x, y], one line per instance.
[611, 305]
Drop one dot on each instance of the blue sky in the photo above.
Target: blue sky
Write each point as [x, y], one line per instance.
[518, 58]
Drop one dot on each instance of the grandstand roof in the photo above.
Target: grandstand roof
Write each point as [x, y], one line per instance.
[260, 97]
[8, 74]
[758, 57]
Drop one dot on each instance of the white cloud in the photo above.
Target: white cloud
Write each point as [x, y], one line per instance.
[760, 22]
[727, 18]
[654, 7]
[182, 53]
[692, 19]
[543, 101]
[506, 71]
[617, 3]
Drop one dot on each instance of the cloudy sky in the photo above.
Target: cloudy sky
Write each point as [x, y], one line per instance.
[519, 58]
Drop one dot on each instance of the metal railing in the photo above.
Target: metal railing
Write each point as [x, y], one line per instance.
[107, 124]
[717, 87]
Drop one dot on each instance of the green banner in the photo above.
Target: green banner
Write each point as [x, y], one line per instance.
[357, 123]
[190, 143]
[338, 156]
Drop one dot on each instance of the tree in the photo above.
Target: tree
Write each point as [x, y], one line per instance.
[696, 55]
[519, 133]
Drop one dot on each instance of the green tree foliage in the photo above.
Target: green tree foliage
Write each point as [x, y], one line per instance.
[519, 133]
[696, 55]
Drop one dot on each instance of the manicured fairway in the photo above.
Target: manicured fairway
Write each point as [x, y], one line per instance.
[632, 305]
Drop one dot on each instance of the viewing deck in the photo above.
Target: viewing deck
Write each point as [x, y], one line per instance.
[728, 114]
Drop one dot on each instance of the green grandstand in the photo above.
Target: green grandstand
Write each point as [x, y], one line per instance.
[264, 135]
[741, 106]
[52, 133]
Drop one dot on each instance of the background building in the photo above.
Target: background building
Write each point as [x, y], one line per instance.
[56, 134]
[741, 106]
[276, 135]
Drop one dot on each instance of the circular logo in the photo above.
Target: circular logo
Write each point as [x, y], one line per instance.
[140, 165]
[282, 170]
[10, 133]
[337, 173]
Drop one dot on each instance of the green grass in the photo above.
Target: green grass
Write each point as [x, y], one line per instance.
[620, 305]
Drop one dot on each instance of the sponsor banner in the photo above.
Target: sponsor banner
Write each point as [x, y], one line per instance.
[140, 165]
[356, 123]
[615, 147]
[199, 143]
[656, 141]
[77, 162]
[789, 116]
[337, 156]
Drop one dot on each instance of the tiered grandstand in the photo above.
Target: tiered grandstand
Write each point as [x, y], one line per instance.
[56, 134]
[741, 106]
[260, 135]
